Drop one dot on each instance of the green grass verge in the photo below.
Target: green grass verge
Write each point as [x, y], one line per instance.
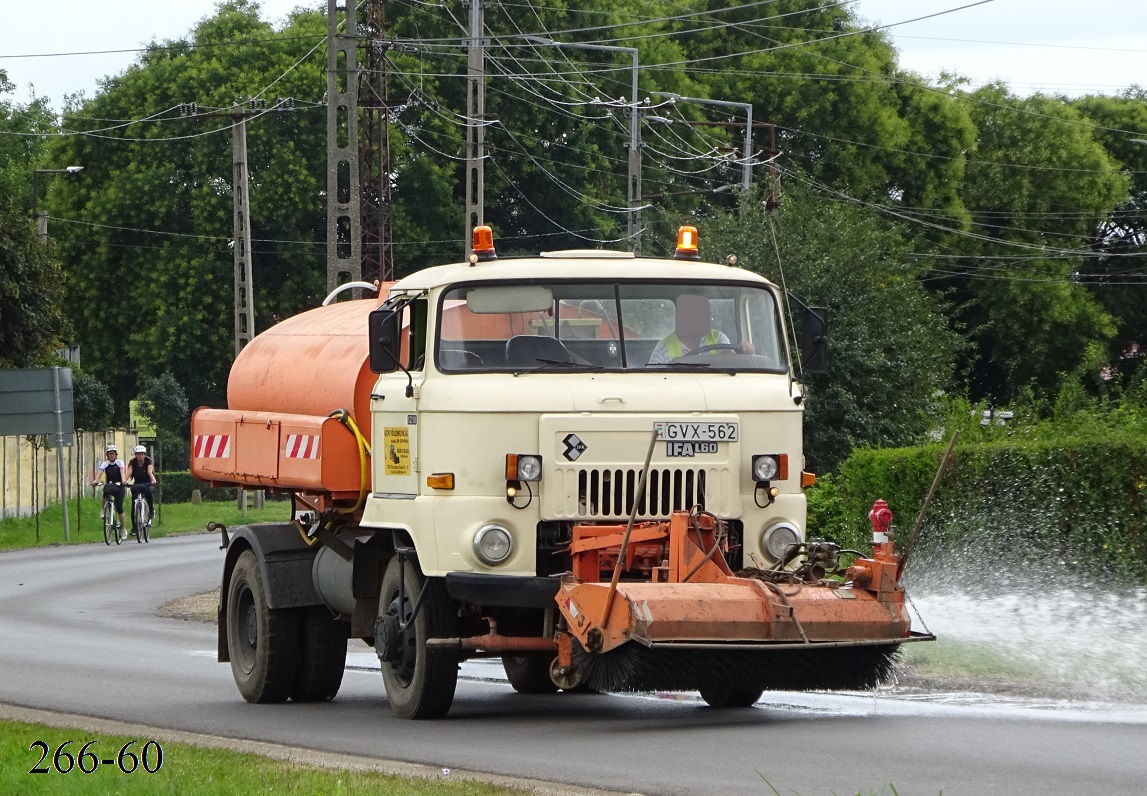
[171, 518]
[186, 769]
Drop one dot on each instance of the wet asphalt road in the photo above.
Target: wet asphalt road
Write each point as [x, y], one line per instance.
[79, 633]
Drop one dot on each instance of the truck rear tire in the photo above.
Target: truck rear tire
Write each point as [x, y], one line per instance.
[263, 642]
[322, 657]
[529, 674]
[420, 682]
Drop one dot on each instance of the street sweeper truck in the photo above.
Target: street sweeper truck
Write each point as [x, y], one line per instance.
[585, 463]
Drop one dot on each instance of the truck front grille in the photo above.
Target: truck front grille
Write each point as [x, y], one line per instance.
[610, 492]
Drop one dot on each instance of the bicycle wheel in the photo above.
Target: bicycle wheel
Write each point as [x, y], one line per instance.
[109, 523]
[139, 518]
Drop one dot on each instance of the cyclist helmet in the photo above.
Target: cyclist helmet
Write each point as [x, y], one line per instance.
[139, 449]
[111, 449]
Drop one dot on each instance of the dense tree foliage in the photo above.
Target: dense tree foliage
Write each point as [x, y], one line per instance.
[92, 402]
[1014, 223]
[32, 323]
[1039, 186]
[891, 353]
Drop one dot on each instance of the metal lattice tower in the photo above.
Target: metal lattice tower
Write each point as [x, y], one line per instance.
[374, 149]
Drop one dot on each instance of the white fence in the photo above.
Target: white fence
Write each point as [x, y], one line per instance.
[29, 471]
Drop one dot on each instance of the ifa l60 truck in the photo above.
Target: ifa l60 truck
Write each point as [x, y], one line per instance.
[585, 463]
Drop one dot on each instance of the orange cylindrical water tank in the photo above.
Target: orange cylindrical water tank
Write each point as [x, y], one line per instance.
[310, 364]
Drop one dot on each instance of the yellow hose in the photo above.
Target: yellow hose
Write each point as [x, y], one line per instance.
[363, 453]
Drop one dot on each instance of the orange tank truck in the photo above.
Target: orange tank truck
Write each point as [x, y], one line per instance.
[588, 464]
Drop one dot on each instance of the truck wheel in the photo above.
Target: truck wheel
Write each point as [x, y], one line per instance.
[264, 643]
[419, 682]
[529, 674]
[322, 657]
[731, 699]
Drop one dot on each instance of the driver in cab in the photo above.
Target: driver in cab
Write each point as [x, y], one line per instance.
[693, 330]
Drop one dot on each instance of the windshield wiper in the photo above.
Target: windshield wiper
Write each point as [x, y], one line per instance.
[558, 363]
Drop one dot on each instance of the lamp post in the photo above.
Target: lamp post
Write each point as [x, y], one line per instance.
[40, 216]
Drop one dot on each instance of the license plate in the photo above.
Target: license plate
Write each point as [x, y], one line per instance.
[696, 432]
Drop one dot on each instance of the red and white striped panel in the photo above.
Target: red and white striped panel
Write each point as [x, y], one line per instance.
[302, 446]
[212, 446]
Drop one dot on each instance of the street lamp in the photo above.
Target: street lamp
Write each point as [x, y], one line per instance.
[40, 216]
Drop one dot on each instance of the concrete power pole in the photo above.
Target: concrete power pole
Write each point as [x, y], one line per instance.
[344, 221]
[241, 214]
[475, 124]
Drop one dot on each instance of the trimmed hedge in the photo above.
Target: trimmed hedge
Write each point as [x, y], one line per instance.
[1079, 505]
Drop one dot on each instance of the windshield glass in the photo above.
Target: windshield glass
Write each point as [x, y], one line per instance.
[611, 326]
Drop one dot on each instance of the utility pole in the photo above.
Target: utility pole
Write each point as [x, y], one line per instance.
[40, 216]
[475, 123]
[241, 216]
[344, 221]
[244, 287]
[633, 181]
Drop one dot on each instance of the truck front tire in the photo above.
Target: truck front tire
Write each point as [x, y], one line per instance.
[419, 681]
[263, 643]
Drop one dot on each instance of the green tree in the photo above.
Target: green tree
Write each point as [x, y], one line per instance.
[891, 354]
[92, 402]
[1038, 186]
[164, 403]
[22, 131]
[1113, 272]
[153, 214]
[31, 322]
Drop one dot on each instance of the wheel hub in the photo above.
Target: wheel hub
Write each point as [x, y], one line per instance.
[252, 627]
[388, 638]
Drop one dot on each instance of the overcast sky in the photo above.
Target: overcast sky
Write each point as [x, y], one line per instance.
[1057, 46]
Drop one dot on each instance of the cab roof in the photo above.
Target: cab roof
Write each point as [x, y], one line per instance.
[576, 264]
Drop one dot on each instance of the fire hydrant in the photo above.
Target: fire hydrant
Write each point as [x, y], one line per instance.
[881, 517]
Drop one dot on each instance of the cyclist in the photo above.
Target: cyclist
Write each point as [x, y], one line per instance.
[141, 472]
[113, 472]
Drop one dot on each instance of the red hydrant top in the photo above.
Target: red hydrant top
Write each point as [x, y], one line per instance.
[881, 517]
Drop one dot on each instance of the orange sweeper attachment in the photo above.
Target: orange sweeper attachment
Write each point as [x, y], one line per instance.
[654, 606]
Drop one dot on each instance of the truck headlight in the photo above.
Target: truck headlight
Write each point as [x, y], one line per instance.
[493, 544]
[770, 467]
[776, 539]
[523, 467]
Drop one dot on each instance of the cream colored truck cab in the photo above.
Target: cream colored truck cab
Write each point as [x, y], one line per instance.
[545, 362]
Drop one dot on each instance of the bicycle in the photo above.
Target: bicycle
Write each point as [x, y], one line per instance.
[111, 528]
[140, 518]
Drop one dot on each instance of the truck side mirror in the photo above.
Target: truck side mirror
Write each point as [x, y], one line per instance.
[383, 330]
[814, 340]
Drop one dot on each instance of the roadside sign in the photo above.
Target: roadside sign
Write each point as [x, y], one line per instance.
[37, 401]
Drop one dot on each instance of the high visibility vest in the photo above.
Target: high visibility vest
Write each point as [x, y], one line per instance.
[675, 348]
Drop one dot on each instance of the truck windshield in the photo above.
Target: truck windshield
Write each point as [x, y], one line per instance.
[627, 326]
